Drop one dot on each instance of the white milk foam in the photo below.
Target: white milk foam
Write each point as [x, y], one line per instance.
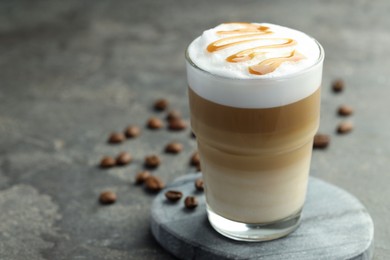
[228, 83]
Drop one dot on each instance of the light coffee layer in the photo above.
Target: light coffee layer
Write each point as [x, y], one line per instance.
[255, 189]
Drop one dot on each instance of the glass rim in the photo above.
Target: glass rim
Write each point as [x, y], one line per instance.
[320, 59]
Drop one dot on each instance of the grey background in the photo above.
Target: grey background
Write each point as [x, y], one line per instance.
[73, 71]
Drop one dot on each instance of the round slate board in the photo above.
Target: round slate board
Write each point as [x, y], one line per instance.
[335, 225]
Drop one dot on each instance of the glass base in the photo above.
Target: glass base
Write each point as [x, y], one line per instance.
[253, 232]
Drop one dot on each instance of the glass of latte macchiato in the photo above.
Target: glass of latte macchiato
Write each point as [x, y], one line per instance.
[254, 95]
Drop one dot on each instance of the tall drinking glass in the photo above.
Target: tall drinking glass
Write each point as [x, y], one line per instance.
[254, 115]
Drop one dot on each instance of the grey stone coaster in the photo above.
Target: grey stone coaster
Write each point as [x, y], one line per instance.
[335, 225]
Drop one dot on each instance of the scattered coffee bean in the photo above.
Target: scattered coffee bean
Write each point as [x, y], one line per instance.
[152, 161]
[191, 202]
[107, 162]
[173, 115]
[177, 124]
[107, 197]
[321, 141]
[116, 138]
[132, 131]
[154, 184]
[173, 195]
[174, 147]
[154, 123]
[199, 185]
[344, 127]
[160, 104]
[141, 177]
[195, 159]
[123, 158]
[345, 110]
[193, 135]
[338, 85]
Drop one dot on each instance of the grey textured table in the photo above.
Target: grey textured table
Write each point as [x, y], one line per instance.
[73, 71]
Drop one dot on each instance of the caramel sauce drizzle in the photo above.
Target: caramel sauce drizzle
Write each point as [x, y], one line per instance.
[249, 33]
[269, 65]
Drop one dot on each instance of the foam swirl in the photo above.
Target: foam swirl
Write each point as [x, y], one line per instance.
[254, 33]
[251, 50]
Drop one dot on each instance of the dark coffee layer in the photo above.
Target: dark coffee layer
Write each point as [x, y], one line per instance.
[252, 131]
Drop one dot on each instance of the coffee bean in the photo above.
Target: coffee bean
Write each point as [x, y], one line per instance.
[345, 110]
[152, 161]
[123, 158]
[193, 135]
[195, 159]
[160, 104]
[116, 138]
[344, 127]
[132, 131]
[173, 195]
[154, 123]
[338, 85]
[199, 185]
[107, 162]
[174, 147]
[321, 141]
[154, 184]
[173, 115]
[141, 177]
[107, 197]
[191, 202]
[177, 124]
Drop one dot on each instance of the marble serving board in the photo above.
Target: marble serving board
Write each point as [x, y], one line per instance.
[335, 225]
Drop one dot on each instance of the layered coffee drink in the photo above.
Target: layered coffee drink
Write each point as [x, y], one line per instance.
[254, 94]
